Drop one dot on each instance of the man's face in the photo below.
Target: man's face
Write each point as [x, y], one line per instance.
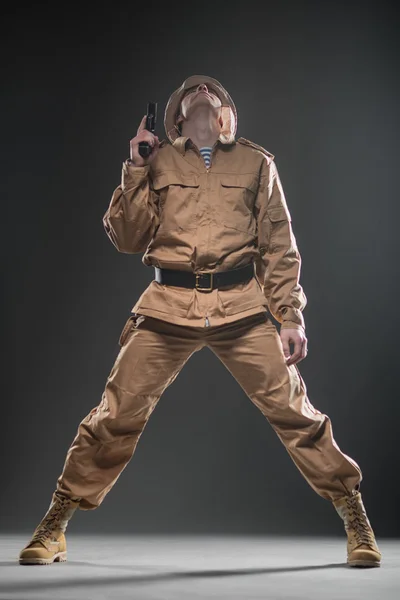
[196, 96]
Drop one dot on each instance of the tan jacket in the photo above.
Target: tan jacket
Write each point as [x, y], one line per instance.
[185, 216]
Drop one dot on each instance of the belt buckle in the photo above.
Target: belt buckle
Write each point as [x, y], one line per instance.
[201, 288]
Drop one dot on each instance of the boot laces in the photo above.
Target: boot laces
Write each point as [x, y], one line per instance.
[51, 521]
[358, 523]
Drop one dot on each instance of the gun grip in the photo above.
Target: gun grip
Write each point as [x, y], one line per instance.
[144, 149]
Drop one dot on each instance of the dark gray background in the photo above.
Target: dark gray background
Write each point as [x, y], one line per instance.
[314, 83]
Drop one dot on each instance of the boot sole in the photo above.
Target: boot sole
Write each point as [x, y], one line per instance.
[364, 563]
[60, 557]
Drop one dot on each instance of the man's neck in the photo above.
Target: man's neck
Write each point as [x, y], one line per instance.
[202, 128]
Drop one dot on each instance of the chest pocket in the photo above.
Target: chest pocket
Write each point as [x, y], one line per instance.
[178, 195]
[237, 199]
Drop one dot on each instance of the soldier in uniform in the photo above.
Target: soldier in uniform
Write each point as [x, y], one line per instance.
[209, 213]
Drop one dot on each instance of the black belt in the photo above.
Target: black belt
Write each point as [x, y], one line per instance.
[205, 282]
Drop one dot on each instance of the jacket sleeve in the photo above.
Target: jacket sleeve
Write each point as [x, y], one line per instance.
[279, 263]
[132, 216]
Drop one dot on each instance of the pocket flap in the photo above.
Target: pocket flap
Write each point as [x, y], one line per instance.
[166, 178]
[247, 180]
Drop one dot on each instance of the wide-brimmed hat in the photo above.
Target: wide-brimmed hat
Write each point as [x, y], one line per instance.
[228, 109]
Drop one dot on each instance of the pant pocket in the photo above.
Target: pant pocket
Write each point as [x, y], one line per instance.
[129, 326]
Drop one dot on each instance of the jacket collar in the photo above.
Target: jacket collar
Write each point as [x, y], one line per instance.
[181, 142]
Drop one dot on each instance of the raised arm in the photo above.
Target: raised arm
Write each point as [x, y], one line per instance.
[132, 216]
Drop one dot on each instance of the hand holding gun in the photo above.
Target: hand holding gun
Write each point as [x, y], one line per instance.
[145, 145]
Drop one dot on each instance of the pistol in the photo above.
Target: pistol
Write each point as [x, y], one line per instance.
[151, 117]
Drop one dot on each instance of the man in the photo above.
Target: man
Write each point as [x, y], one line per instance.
[210, 215]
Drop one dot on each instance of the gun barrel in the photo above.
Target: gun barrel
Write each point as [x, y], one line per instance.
[151, 116]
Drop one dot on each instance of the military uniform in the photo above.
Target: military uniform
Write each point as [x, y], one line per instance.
[186, 217]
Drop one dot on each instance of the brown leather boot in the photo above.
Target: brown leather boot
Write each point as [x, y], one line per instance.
[48, 542]
[362, 549]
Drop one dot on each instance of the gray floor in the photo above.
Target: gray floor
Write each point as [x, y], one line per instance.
[185, 567]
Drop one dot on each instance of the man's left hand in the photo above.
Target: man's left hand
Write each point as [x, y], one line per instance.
[298, 338]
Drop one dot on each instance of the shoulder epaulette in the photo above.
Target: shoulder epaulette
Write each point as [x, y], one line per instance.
[243, 140]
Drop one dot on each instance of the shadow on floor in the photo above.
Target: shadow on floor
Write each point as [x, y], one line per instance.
[150, 578]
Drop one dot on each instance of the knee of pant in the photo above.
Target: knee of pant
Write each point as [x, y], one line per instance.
[290, 422]
[117, 401]
[105, 423]
[136, 388]
[304, 435]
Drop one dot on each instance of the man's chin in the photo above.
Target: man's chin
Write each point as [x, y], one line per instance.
[202, 102]
[201, 99]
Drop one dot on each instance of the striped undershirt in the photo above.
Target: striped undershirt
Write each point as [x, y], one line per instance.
[206, 154]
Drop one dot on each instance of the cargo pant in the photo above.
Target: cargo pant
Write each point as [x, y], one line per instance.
[152, 354]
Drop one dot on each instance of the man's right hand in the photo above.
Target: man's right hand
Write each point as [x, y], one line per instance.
[143, 135]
